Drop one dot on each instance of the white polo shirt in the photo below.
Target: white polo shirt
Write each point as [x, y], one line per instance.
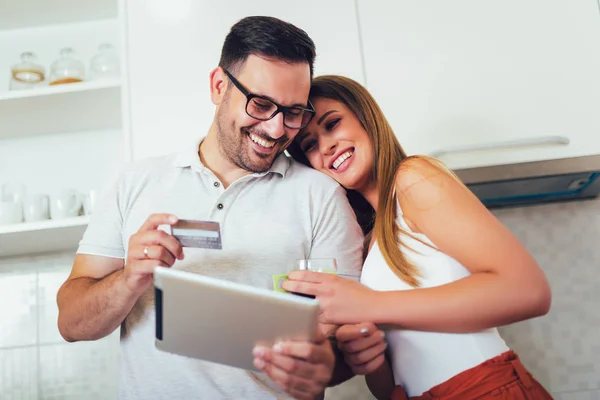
[268, 220]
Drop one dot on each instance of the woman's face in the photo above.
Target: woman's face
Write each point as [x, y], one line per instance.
[336, 143]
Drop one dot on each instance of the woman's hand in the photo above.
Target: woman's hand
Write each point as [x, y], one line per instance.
[343, 301]
[363, 347]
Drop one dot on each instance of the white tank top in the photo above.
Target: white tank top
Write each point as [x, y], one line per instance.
[421, 360]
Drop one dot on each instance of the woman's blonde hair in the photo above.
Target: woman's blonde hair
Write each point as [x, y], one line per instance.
[387, 156]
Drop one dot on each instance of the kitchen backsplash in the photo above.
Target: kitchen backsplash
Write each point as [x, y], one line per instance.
[561, 349]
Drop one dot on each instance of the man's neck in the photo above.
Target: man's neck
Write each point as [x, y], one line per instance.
[210, 155]
[371, 194]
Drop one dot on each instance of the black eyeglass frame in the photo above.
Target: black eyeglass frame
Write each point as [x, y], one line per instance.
[279, 108]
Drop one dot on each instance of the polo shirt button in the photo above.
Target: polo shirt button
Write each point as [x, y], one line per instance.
[220, 206]
[217, 184]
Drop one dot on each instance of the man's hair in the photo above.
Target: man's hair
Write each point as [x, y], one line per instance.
[267, 37]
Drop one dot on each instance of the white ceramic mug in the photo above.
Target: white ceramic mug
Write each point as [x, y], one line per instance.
[11, 212]
[89, 202]
[13, 192]
[36, 207]
[65, 204]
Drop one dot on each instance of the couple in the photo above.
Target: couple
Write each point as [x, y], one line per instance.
[439, 267]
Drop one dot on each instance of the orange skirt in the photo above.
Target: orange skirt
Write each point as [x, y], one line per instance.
[499, 378]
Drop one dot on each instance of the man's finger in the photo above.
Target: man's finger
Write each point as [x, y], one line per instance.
[155, 220]
[303, 350]
[157, 253]
[293, 366]
[285, 380]
[348, 332]
[326, 331]
[148, 266]
[162, 239]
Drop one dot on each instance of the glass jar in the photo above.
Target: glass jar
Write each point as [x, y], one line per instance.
[105, 64]
[67, 68]
[28, 73]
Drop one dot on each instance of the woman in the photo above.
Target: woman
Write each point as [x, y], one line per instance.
[441, 271]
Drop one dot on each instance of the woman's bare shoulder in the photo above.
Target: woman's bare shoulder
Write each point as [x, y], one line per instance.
[423, 181]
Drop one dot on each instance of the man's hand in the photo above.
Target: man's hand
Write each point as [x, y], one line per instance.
[363, 347]
[302, 369]
[148, 248]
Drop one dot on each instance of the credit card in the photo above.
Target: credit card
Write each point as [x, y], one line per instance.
[200, 234]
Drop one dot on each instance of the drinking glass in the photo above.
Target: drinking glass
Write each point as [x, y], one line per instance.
[326, 265]
[323, 265]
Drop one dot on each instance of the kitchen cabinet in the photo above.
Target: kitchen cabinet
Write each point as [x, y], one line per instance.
[58, 137]
[480, 83]
[172, 47]
[89, 105]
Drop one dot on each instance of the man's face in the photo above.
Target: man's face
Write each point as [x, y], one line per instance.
[249, 143]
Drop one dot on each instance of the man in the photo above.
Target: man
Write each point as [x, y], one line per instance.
[272, 211]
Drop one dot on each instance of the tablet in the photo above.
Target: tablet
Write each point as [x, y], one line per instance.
[221, 321]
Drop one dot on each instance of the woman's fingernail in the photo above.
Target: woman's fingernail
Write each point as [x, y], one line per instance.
[382, 334]
[364, 331]
[258, 352]
[172, 219]
[258, 363]
[277, 348]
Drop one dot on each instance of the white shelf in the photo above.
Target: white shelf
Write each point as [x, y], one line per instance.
[85, 106]
[41, 237]
[60, 89]
[29, 13]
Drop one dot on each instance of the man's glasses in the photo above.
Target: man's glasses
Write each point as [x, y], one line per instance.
[264, 109]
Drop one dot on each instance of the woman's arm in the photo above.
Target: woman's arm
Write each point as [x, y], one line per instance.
[363, 348]
[381, 381]
[506, 284]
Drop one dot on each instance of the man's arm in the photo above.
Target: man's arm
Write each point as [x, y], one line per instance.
[94, 300]
[338, 235]
[101, 291]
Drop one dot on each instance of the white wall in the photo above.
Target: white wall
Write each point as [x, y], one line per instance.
[173, 46]
[77, 160]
